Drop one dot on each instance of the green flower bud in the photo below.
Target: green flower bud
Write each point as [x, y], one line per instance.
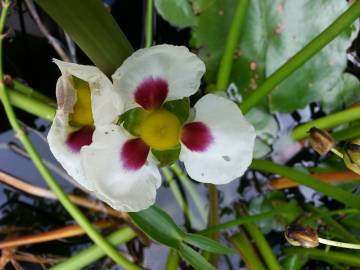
[305, 237]
[321, 140]
[352, 156]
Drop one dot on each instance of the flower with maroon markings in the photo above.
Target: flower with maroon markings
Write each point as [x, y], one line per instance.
[86, 99]
[216, 144]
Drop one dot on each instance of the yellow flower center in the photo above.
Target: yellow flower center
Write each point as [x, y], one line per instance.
[160, 130]
[82, 113]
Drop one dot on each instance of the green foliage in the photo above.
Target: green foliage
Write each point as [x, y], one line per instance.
[157, 224]
[294, 262]
[101, 39]
[345, 93]
[271, 201]
[192, 257]
[178, 13]
[273, 32]
[206, 244]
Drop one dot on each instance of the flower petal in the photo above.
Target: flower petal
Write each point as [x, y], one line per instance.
[229, 145]
[125, 189]
[175, 65]
[105, 102]
[66, 154]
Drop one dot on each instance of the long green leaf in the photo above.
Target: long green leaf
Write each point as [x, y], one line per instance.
[158, 225]
[207, 244]
[93, 29]
[194, 258]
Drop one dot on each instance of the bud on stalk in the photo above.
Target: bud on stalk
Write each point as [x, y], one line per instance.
[321, 141]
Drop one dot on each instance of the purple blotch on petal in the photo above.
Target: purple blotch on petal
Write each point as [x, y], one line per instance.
[80, 138]
[151, 93]
[134, 154]
[196, 136]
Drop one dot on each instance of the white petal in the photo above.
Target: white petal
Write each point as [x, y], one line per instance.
[181, 69]
[124, 190]
[231, 151]
[68, 159]
[106, 103]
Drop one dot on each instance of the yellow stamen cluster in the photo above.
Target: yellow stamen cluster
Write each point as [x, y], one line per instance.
[160, 129]
[82, 113]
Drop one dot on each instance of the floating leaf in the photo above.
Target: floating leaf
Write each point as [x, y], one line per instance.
[177, 12]
[345, 93]
[274, 31]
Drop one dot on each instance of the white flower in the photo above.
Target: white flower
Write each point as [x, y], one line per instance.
[85, 99]
[120, 164]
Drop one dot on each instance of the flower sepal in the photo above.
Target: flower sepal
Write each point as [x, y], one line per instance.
[167, 157]
[179, 107]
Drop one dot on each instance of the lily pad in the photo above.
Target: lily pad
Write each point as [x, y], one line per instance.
[273, 32]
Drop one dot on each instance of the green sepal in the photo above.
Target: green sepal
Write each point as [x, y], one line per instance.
[207, 244]
[167, 157]
[179, 107]
[159, 226]
[131, 120]
[194, 258]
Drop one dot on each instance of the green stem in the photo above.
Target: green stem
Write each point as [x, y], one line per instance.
[318, 254]
[232, 40]
[177, 194]
[26, 90]
[45, 173]
[260, 240]
[319, 42]
[172, 262]
[339, 194]
[239, 221]
[340, 231]
[247, 252]
[94, 253]
[93, 29]
[31, 105]
[263, 246]
[149, 23]
[213, 218]
[327, 122]
[199, 204]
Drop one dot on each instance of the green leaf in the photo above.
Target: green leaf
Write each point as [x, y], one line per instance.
[177, 12]
[275, 30]
[345, 93]
[131, 120]
[294, 262]
[179, 107]
[206, 244]
[167, 157]
[101, 39]
[194, 258]
[266, 128]
[159, 226]
[272, 201]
